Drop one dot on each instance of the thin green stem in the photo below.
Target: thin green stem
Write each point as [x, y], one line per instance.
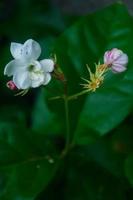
[67, 125]
[71, 97]
[75, 96]
[65, 97]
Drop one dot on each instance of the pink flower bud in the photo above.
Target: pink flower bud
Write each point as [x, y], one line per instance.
[116, 59]
[11, 85]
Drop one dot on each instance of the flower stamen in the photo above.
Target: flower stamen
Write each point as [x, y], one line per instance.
[96, 78]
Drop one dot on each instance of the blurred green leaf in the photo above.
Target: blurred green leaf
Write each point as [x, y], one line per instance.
[84, 179]
[32, 19]
[129, 168]
[87, 180]
[111, 151]
[43, 118]
[24, 168]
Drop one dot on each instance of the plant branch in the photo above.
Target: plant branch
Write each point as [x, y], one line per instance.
[75, 96]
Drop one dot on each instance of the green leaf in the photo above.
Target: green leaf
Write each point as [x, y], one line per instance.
[111, 151]
[25, 168]
[87, 180]
[84, 179]
[129, 168]
[85, 42]
[48, 116]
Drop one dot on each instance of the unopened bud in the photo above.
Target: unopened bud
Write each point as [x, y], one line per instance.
[11, 85]
[116, 60]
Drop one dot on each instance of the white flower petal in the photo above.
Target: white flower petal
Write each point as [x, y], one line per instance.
[47, 65]
[118, 68]
[16, 50]
[106, 57]
[31, 50]
[22, 80]
[116, 53]
[123, 59]
[47, 79]
[37, 81]
[37, 66]
[111, 56]
[12, 67]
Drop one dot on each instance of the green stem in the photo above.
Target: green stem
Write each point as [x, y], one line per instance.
[71, 97]
[75, 96]
[66, 101]
[67, 125]
[67, 98]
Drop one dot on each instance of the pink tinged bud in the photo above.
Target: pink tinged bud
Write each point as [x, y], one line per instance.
[116, 60]
[11, 85]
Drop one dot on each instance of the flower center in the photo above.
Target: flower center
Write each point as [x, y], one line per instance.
[35, 71]
[31, 68]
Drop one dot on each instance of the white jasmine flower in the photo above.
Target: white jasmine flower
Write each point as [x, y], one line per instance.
[26, 70]
[116, 59]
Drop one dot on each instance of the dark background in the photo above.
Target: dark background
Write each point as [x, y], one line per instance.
[85, 6]
[22, 19]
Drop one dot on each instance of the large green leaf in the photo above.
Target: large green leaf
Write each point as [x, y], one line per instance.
[26, 166]
[112, 150]
[43, 119]
[84, 179]
[86, 42]
[87, 180]
[96, 171]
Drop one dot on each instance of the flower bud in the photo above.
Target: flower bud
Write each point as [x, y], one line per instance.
[116, 60]
[11, 85]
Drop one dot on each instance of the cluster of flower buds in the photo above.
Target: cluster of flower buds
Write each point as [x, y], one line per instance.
[115, 60]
